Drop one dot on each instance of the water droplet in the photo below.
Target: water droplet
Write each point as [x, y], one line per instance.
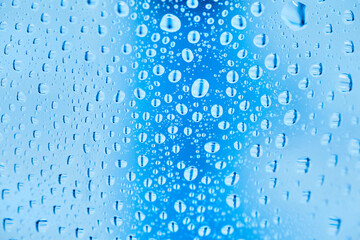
[294, 15]
[180, 206]
[345, 83]
[190, 173]
[226, 38]
[141, 30]
[354, 147]
[232, 76]
[117, 221]
[100, 96]
[265, 101]
[160, 138]
[244, 105]
[233, 200]
[89, 56]
[256, 151]
[316, 70]
[174, 76]
[284, 98]
[119, 96]
[255, 72]
[192, 3]
[272, 61]
[242, 127]
[8, 224]
[217, 111]
[348, 16]
[232, 179]
[194, 36]
[261, 40]
[281, 140]
[304, 83]
[204, 231]
[92, 3]
[41, 225]
[334, 225]
[348, 47]
[227, 230]
[122, 9]
[293, 69]
[170, 23]
[139, 93]
[238, 22]
[212, 147]
[43, 88]
[17, 65]
[181, 109]
[143, 160]
[303, 165]
[150, 196]
[199, 88]
[173, 226]
[187, 55]
[335, 120]
[257, 9]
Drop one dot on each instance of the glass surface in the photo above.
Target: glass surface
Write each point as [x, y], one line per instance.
[179, 119]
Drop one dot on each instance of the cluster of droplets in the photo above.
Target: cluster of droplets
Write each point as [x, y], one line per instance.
[220, 115]
[183, 105]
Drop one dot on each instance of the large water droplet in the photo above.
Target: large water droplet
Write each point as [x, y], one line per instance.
[272, 61]
[233, 200]
[122, 9]
[199, 88]
[139, 93]
[212, 147]
[174, 76]
[180, 206]
[190, 173]
[232, 179]
[187, 55]
[291, 117]
[43, 88]
[345, 83]
[257, 9]
[238, 22]
[170, 23]
[261, 40]
[255, 72]
[294, 15]
[194, 37]
[226, 38]
[192, 3]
